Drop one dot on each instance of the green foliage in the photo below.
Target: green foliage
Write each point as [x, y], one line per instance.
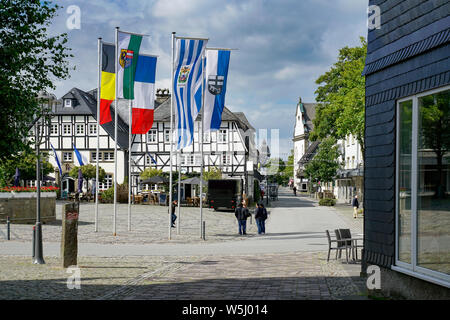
[323, 167]
[31, 60]
[89, 172]
[213, 174]
[122, 194]
[26, 162]
[150, 172]
[327, 202]
[341, 97]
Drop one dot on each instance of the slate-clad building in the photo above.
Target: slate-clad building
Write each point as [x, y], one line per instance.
[407, 156]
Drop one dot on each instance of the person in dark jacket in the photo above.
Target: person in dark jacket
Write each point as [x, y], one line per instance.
[261, 217]
[355, 205]
[174, 216]
[295, 190]
[242, 214]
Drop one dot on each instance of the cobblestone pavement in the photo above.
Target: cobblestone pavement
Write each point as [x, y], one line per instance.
[305, 275]
[149, 225]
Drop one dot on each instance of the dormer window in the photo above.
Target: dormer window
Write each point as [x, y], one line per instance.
[68, 103]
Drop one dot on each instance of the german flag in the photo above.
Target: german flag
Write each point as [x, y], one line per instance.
[107, 87]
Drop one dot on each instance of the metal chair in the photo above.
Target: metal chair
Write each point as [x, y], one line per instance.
[353, 242]
[330, 241]
[342, 244]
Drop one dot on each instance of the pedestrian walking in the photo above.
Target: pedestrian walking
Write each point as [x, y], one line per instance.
[242, 214]
[355, 205]
[261, 217]
[295, 190]
[174, 216]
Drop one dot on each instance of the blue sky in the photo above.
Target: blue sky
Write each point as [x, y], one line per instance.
[284, 46]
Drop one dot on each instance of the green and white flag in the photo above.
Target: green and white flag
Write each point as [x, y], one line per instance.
[129, 45]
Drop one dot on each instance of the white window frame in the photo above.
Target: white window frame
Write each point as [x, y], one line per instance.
[92, 129]
[64, 156]
[67, 103]
[54, 129]
[68, 132]
[412, 268]
[152, 133]
[79, 128]
[167, 135]
[108, 156]
[108, 182]
[222, 136]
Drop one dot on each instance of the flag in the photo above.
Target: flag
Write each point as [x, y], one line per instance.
[153, 160]
[57, 160]
[216, 74]
[78, 155]
[107, 86]
[129, 45]
[144, 93]
[186, 83]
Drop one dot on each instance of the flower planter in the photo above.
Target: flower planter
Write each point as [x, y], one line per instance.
[20, 207]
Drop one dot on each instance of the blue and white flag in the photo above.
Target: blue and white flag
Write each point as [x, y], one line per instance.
[77, 153]
[186, 83]
[217, 62]
[57, 160]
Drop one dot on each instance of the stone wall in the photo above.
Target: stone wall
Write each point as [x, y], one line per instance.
[20, 207]
[401, 286]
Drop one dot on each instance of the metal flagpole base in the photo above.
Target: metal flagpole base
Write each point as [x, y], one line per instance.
[38, 250]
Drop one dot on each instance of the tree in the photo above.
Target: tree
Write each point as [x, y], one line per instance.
[341, 97]
[150, 172]
[26, 162]
[89, 171]
[323, 167]
[30, 60]
[212, 174]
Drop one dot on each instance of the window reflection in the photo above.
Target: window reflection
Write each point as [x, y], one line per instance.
[433, 190]
[404, 196]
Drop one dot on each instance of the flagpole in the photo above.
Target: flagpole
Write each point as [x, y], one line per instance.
[98, 129]
[116, 104]
[129, 163]
[179, 190]
[171, 136]
[201, 144]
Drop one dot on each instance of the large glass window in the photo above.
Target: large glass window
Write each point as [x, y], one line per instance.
[433, 187]
[423, 184]
[404, 180]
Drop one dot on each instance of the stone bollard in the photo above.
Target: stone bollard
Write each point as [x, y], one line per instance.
[69, 237]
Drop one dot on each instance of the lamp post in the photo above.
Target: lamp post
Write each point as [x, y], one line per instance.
[38, 247]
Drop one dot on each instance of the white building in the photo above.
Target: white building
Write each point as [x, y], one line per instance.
[305, 113]
[74, 123]
[350, 176]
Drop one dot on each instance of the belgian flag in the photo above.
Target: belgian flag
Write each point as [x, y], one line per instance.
[107, 87]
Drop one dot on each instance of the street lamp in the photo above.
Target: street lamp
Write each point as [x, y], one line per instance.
[38, 248]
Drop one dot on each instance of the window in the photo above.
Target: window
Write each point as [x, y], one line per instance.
[149, 160]
[226, 159]
[206, 137]
[353, 161]
[54, 129]
[151, 136]
[198, 160]
[92, 129]
[67, 103]
[67, 129]
[108, 156]
[107, 183]
[80, 128]
[167, 135]
[190, 159]
[67, 157]
[348, 162]
[423, 184]
[183, 160]
[222, 136]
[94, 156]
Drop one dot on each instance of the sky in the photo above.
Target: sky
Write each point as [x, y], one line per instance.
[283, 46]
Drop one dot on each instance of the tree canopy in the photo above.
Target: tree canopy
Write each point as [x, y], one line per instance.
[341, 97]
[89, 171]
[30, 61]
[323, 167]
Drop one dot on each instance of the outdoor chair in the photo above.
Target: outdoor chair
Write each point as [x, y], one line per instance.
[353, 242]
[330, 247]
[342, 244]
